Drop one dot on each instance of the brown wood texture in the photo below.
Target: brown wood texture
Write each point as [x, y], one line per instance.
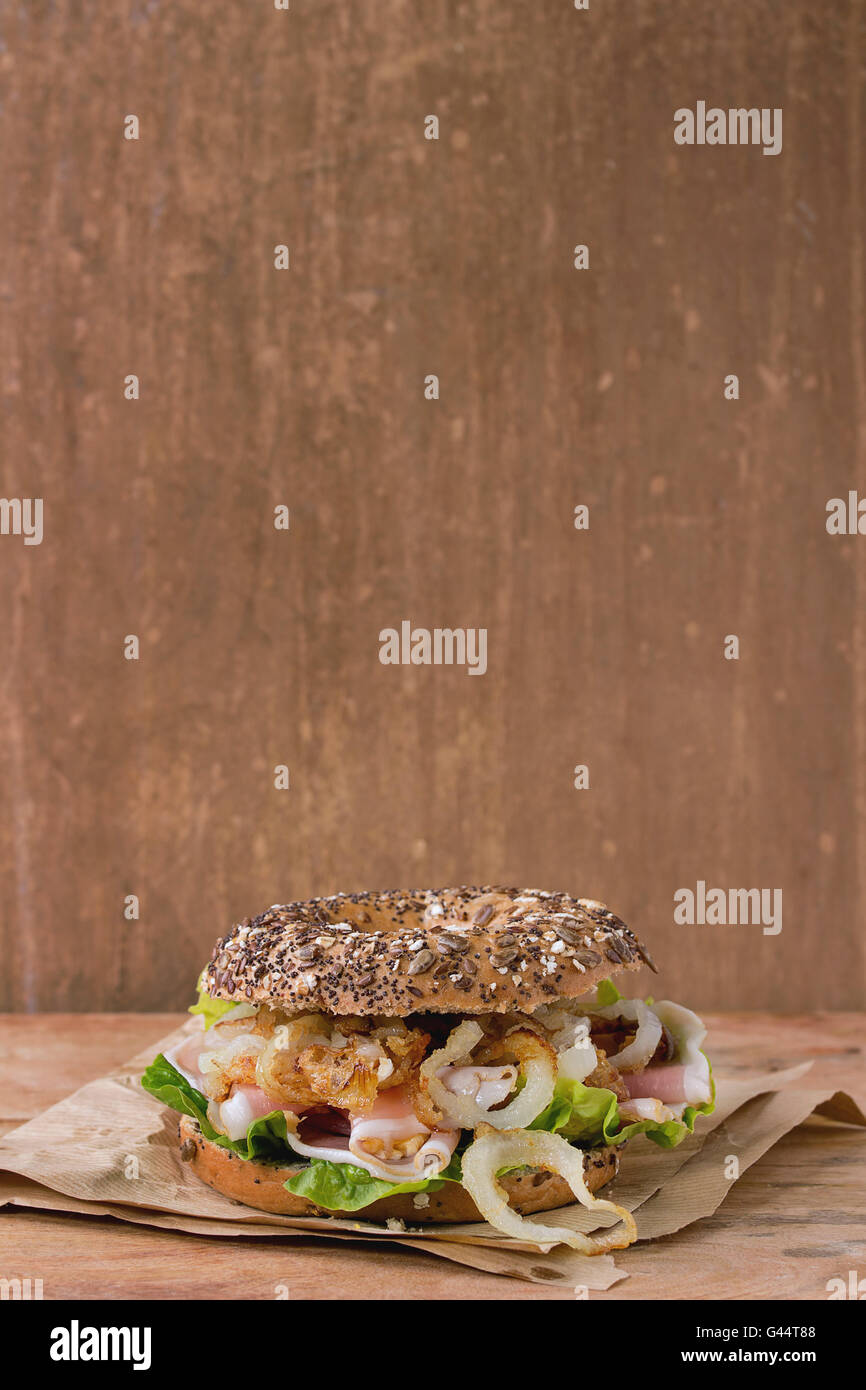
[791, 1223]
[305, 388]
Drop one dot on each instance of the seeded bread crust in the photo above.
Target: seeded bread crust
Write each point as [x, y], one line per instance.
[452, 950]
[259, 1183]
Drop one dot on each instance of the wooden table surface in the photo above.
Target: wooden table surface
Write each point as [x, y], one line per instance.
[789, 1224]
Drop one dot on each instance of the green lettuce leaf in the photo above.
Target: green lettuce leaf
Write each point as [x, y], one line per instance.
[585, 1115]
[343, 1187]
[265, 1138]
[335, 1186]
[589, 1116]
[606, 994]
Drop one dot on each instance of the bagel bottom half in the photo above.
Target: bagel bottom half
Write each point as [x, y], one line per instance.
[259, 1183]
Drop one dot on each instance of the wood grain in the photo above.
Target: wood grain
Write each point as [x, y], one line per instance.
[558, 387]
[791, 1223]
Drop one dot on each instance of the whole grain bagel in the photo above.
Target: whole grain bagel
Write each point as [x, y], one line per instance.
[259, 1183]
[455, 950]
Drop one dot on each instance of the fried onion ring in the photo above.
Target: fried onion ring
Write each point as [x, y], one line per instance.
[493, 1150]
[236, 1061]
[537, 1061]
[637, 1054]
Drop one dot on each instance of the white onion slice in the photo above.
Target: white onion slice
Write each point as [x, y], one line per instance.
[236, 1013]
[494, 1150]
[576, 1063]
[647, 1038]
[564, 1022]
[568, 1030]
[458, 1046]
[539, 1071]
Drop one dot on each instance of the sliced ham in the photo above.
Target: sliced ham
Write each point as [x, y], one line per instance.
[374, 1133]
[664, 1082]
[686, 1079]
[331, 1148]
[244, 1105]
[184, 1057]
[672, 1082]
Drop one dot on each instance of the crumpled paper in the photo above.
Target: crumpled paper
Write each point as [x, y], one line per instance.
[110, 1149]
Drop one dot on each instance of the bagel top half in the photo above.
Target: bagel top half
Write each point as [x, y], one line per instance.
[452, 950]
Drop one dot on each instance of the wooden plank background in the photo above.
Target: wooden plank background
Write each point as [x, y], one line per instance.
[305, 387]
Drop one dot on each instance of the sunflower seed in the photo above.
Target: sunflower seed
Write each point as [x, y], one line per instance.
[568, 933]
[483, 915]
[451, 943]
[507, 957]
[646, 957]
[588, 957]
[421, 963]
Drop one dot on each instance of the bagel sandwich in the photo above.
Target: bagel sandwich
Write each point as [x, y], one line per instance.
[431, 1056]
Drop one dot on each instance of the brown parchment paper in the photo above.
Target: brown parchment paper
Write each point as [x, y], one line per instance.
[110, 1149]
